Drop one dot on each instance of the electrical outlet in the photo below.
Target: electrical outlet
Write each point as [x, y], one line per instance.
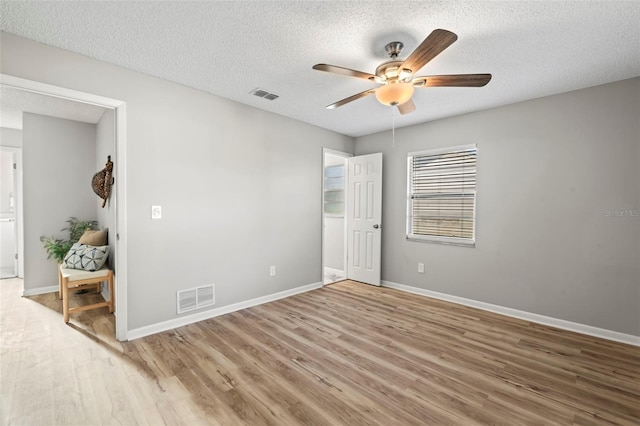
[421, 268]
[272, 271]
[156, 212]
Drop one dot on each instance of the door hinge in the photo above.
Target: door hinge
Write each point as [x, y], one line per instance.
[15, 166]
[16, 256]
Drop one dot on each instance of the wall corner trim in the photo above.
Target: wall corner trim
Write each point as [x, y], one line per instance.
[629, 339]
[148, 330]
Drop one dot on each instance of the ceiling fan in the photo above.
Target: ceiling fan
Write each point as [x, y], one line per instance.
[396, 75]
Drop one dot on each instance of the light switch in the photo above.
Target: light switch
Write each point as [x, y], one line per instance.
[156, 212]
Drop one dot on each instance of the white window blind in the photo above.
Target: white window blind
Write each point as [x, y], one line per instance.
[442, 195]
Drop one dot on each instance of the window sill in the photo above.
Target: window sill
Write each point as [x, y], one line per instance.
[442, 240]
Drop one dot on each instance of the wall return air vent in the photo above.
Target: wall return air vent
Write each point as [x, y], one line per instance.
[261, 93]
[195, 298]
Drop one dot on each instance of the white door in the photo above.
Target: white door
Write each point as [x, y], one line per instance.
[364, 223]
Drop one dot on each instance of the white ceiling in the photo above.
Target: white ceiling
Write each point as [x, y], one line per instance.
[532, 48]
[13, 102]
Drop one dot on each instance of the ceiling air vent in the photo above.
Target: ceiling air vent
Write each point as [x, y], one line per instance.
[195, 298]
[261, 93]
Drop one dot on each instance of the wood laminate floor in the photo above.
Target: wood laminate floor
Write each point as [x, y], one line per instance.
[346, 354]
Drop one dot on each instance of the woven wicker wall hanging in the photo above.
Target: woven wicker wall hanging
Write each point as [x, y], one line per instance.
[102, 181]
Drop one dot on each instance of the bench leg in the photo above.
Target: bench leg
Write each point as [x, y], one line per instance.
[65, 300]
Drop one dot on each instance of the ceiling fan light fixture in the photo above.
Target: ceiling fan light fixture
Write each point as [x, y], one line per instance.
[380, 79]
[391, 73]
[405, 74]
[394, 93]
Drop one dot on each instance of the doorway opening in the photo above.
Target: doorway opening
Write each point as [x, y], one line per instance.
[334, 225]
[118, 196]
[351, 217]
[10, 162]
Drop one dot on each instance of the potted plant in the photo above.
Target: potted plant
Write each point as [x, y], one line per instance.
[57, 248]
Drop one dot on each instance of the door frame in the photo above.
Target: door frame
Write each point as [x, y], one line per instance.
[120, 177]
[344, 155]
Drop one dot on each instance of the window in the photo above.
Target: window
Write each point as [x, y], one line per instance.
[442, 195]
[334, 190]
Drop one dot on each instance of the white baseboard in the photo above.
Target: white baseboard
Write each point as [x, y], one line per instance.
[201, 316]
[332, 275]
[328, 270]
[527, 316]
[39, 290]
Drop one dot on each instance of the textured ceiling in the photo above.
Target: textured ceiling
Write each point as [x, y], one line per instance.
[532, 48]
[13, 102]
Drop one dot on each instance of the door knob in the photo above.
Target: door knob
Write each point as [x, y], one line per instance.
[376, 226]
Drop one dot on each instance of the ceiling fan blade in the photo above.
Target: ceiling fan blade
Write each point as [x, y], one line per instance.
[430, 47]
[407, 107]
[351, 99]
[343, 71]
[455, 80]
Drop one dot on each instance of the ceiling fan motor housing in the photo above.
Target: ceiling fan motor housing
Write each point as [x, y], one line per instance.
[392, 71]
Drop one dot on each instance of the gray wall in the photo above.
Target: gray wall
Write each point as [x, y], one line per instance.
[105, 146]
[10, 137]
[548, 171]
[239, 187]
[58, 163]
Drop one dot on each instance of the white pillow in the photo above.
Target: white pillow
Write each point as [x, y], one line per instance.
[86, 257]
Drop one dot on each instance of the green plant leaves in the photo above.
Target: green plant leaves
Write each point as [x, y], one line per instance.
[57, 248]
